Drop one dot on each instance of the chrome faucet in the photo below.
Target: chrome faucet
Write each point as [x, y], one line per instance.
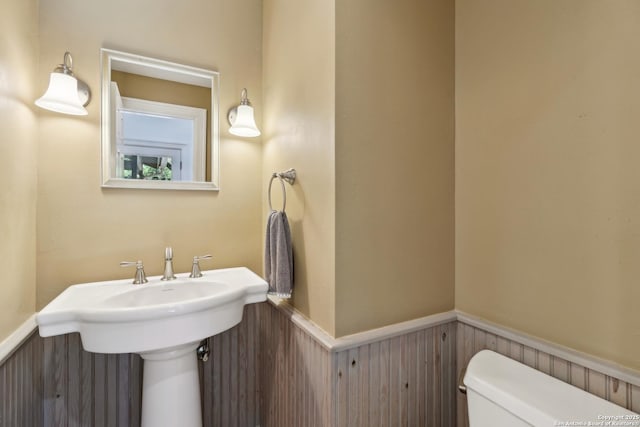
[140, 277]
[168, 265]
[195, 267]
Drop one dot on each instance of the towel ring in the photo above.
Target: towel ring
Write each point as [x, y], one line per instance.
[284, 193]
[289, 176]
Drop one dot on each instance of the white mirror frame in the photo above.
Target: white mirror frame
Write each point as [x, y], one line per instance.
[168, 71]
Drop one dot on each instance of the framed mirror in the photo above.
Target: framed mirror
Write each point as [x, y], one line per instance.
[160, 125]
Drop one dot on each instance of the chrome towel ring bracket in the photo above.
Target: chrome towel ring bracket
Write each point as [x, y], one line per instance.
[290, 176]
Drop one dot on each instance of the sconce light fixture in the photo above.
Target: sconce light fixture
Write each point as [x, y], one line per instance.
[66, 94]
[241, 118]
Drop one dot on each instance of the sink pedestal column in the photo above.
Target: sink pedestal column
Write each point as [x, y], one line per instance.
[171, 388]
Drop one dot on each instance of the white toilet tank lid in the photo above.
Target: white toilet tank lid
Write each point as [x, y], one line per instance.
[537, 398]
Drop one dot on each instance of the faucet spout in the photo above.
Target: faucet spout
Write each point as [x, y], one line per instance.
[168, 265]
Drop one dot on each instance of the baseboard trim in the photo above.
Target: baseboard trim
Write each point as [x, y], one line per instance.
[10, 344]
[586, 360]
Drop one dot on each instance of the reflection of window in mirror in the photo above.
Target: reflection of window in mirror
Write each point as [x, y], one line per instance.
[137, 166]
[162, 128]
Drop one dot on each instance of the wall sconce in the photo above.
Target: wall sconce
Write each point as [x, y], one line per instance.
[65, 94]
[241, 118]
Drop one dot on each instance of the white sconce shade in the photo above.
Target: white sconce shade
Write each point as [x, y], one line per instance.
[62, 96]
[65, 93]
[241, 119]
[244, 123]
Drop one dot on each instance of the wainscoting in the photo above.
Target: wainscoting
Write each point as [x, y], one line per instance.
[277, 369]
[21, 385]
[311, 379]
[407, 380]
[230, 379]
[296, 373]
[474, 335]
[88, 389]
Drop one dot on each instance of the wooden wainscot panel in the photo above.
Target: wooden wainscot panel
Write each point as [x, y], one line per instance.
[408, 379]
[294, 373]
[21, 385]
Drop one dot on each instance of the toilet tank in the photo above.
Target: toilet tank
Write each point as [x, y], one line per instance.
[503, 392]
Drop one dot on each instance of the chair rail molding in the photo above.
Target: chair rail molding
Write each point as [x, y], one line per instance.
[10, 344]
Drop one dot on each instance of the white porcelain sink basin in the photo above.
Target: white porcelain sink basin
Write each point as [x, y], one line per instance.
[119, 317]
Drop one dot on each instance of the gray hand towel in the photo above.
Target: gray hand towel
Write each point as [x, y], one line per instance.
[278, 255]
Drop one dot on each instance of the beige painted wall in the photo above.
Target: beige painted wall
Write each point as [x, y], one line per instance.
[394, 161]
[547, 175]
[83, 230]
[159, 90]
[299, 123]
[18, 151]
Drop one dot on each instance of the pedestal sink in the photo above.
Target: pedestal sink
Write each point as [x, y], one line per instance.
[164, 323]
